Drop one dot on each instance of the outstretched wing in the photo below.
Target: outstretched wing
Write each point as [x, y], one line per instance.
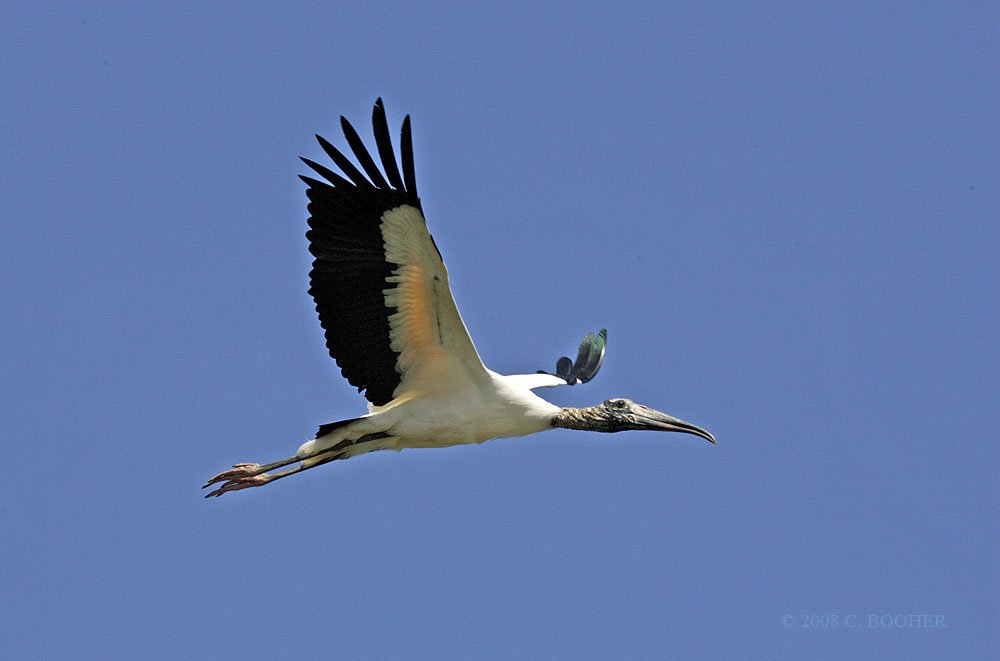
[380, 286]
[589, 358]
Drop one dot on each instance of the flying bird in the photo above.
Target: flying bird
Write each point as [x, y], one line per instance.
[383, 298]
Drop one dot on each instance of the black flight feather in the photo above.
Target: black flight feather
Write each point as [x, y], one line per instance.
[406, 153]
[384, 144]
[350, 269]
[361, 153]
[589, 358]
[590, 355]
[352, 172]
[324, 172]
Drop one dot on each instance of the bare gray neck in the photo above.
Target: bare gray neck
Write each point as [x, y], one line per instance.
[586, 419]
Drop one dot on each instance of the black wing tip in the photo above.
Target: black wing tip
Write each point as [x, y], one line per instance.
[589, 358]
[591, 355]
[383, 142]
[406, 155]
[321, 170]
[405, 184]
[324, 143]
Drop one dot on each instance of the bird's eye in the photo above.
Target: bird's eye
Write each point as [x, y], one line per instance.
[619, 403]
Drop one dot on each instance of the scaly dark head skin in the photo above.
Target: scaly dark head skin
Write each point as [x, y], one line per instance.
[622, 414]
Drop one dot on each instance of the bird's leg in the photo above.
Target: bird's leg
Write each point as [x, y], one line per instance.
[243, 476]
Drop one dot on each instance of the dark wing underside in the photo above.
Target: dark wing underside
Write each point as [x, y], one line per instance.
[350, 269]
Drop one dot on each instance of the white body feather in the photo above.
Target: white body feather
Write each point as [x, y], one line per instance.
[447, 416]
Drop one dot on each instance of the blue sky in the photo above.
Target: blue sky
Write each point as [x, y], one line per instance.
[785, 214]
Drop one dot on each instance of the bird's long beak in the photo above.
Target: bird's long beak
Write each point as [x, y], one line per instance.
[652, 419]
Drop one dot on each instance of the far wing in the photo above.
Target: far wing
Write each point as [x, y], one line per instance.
[589, 358]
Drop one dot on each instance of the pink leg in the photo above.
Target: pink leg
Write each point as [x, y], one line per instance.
[244, 476]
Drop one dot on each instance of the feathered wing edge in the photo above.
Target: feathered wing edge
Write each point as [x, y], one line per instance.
[350, 267]
[589, 358]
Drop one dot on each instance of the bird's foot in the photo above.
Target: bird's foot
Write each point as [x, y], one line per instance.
[242, 476]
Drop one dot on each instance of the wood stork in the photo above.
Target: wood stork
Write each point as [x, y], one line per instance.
[381, 290]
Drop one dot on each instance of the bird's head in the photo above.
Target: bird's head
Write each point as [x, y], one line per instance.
[620, 414]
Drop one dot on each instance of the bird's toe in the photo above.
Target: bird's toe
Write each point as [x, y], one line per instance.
[237, 483]
[238, 472]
